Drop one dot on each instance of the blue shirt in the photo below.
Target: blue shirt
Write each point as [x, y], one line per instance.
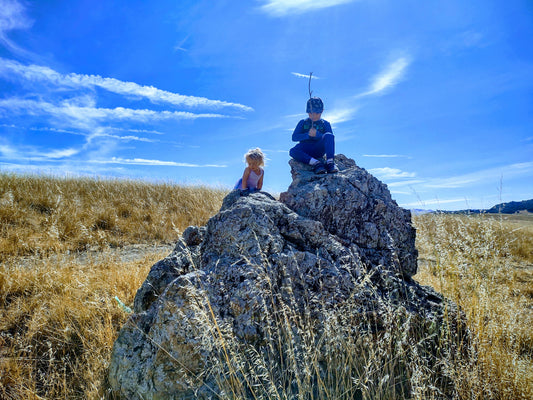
[301, 132]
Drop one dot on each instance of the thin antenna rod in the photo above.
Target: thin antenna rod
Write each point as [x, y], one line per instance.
[310, 92]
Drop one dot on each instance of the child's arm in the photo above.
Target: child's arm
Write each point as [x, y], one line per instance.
[327, 127]
[299, 134]
[245, 176]
[260, 181]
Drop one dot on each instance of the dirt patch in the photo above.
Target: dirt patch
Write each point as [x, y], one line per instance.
[128, 253]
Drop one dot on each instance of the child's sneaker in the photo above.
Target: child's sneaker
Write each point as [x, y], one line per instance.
[319, 168]
[331, 168]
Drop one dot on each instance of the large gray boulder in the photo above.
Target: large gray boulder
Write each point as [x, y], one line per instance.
[357, 208]
[335, 248]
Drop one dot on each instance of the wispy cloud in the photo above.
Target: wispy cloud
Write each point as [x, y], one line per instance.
[407, 183]
[10, 68]
[149, 131]
[127, 138]
[179, 46]
[279, 8]
[84, 116]
[297, 74]
[386, 155]
[391, 173]
[387, 78]
[465, 41]
[142, 161]
[60, 153]
[424, 203]
[339, 115]
[12, 17]
[10, 152]
[93, 134]
[505, 172]
[492, 174]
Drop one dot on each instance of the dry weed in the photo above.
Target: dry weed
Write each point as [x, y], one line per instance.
[483, 263]
[58, 322]
[42, 215]
[58, 318]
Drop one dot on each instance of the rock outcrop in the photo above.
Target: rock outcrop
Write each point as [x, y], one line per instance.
[358, 209]
[334, 248]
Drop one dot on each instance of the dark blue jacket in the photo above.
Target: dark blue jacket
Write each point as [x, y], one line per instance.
[301, 132]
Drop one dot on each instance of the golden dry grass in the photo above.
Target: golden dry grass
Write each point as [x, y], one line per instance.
[58, 316]
[485, 264]
[44, 215]
[58, 322]
[59, 319]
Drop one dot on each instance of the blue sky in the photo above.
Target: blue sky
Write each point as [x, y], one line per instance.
[435, 98]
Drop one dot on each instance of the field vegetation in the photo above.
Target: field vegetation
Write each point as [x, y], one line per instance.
[59, 317]
[43, 215]
[485, 264]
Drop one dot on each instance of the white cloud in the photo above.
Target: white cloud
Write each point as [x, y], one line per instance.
[492, 174]
[127, 138]
[142, 161]
[423, 203]
[386, 155]
[98, 134]
[8, 68]
[388, 78]
[279, 8]
[297, 74]
[339, 115]
[85, 116]
[405, 183]
[60, 153]
[391, 173]
[7, 151]
[511, 171]
[179, 46]
[136, 130]
[12, 16]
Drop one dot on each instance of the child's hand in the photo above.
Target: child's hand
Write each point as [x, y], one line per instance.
[312, 132]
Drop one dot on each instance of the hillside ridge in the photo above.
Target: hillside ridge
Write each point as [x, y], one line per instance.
[511, 207]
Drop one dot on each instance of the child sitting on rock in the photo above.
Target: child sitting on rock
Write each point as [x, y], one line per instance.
[252, 178]
[316, 140]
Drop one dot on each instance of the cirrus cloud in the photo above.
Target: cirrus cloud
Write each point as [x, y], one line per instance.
[280, 8]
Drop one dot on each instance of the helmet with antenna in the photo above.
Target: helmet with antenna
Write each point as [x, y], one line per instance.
[314, 104]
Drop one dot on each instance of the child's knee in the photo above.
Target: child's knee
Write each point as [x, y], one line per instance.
[295, 152]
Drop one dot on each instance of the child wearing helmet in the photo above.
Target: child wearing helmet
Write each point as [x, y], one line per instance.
[316, 139]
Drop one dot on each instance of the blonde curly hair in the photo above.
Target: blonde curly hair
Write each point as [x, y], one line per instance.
[255, 155]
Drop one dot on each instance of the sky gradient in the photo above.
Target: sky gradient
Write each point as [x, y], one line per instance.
[433, 98]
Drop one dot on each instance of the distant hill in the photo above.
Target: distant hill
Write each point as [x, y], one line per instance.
[511, 207]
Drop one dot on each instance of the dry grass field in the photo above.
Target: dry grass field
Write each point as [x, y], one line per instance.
[42, 216]
[485, 264]
[59, 318]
